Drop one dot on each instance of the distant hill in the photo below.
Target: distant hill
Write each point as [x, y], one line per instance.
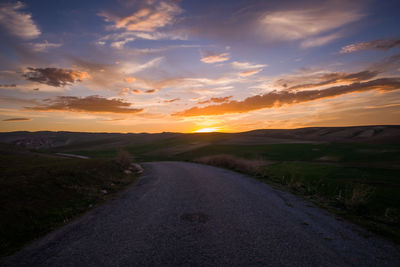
[72, 140]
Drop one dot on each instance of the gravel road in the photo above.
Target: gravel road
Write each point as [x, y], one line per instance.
[190, 214]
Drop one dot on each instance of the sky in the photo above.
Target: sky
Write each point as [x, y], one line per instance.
[189, 65]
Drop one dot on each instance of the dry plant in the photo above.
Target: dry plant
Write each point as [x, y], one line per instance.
[124, 159]
[234, 163]
[361, 194]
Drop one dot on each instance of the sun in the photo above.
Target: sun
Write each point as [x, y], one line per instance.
[207, 130]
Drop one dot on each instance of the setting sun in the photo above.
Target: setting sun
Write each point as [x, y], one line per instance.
[207, 130]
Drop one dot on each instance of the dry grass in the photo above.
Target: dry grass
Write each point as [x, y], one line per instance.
[124, 159]
[361, 194]
[233, 163]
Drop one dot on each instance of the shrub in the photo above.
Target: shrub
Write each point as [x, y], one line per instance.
[234, 163]
[124, 159]
[358, 197]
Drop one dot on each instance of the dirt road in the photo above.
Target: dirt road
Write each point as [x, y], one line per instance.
[190, 214]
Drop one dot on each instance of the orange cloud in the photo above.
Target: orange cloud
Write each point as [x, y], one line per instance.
[130, 79]
[277, 99]
[210, 57]
[125, 91]
[215, 100]
[249, 72]
[55, 77]
[376, 45]
[89, 104]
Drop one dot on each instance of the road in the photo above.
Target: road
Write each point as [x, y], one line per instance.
[190, 214]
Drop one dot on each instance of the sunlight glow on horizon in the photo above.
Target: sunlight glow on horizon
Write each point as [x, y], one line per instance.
[208, 130]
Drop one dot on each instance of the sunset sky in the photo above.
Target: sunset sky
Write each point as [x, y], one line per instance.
[190, 65]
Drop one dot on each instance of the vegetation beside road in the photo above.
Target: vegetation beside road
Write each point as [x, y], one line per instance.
[368, 196]
[39, 193]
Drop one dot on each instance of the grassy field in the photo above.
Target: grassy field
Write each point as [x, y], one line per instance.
[39, 193]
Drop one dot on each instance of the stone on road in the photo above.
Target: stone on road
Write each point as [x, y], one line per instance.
[190, 214]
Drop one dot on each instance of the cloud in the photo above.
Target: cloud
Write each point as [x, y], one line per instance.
[120, 44]
[55, 77]
[389, 64]
[247, 65]
[151, 91]
[7, 85]
[249, 72]
[172, 100]
[16, 22]
[151, 16]
[130, 79]
[89, 104]
[279, 98]
[121, 38]
[383, 44]
[302, 23]
[18, 119]
[210, 57]
[336, 77]
[125, 91]
[41, 47]
[215, 100]
[319, 41]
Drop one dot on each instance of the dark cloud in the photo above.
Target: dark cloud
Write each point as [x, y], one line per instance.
[54, 76]
[17, 119]
[89, 104]
[172, 100]
[277, 99]
[215, 100]
[151, 91]
[383, 44]
[336, 77]
[7, 85]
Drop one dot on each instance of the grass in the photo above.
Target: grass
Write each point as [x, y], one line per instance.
[336, 152]
[365, 195]
[230, 162]
[40, 193]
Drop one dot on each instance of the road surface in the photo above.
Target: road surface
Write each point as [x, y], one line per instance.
[196, 215]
